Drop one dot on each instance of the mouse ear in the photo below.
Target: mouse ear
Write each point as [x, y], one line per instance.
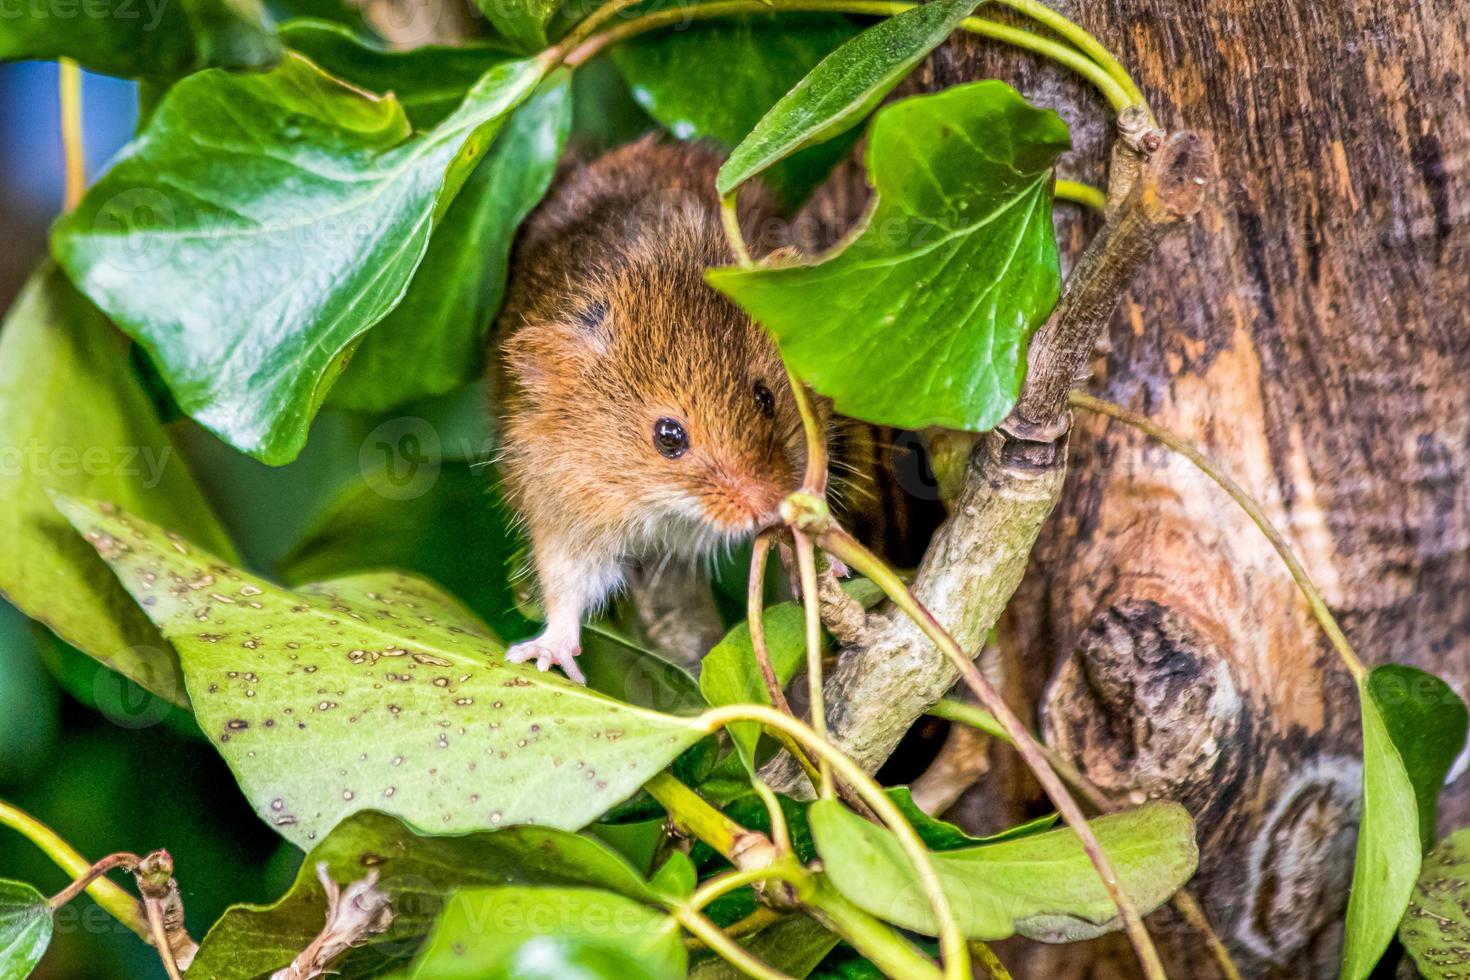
[592, 317]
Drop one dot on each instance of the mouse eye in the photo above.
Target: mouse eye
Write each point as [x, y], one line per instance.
[764, 400]
[669, 438]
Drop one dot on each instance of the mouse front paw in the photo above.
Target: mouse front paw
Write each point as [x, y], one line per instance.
[546, 652]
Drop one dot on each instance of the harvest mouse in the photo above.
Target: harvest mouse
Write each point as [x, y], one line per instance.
[643, 415]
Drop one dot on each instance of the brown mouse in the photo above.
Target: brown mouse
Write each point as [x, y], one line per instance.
[643, 415]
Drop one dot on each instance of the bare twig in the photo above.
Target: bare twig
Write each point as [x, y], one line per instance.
[1169, 186]
[164, 908]
[353, 913]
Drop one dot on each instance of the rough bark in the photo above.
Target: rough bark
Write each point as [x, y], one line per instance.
[1310, 331]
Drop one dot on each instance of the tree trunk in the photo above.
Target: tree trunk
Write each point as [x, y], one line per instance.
[1309, 330]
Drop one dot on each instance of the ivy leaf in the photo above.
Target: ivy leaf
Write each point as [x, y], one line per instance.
[308, 196]
[757, 59]
[434, 340]
[1413, 728]
[418, 874]
[1436, 929]
[25, 929]
[1042, 886]
[729, 673]
[377, 692]
[676, 877]
[520, 22]
[73, 418]
[948, 278]
[429, 81]
[843, 88]
[552, 933]
[152, 39]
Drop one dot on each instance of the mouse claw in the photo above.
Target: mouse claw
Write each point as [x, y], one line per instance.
[838, 566]
[548, 654]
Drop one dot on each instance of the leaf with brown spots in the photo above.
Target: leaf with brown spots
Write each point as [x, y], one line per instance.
[73, 418]
[377, 692]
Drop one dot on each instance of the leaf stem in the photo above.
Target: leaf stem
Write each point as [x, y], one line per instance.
[990, 961]
[1084, 41]
[730, 219]
[118, 903]
[1066, 55]
[839, 543]
[869, 935]
[780, 833]
[713, 937]
[69, 76]
[1080, 193]
[1247, 503]
[786, 869]
[756, 624]
[806, 563]
[951, 939]
[815, 480]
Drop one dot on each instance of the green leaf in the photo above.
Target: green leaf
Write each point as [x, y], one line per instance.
[729, 674]
[25, 929]
[676, 877]
[757, 59]
[843, 88]
[377, 692]
[1413, 728]
[307, 198]
[424, 517]
[418, 874]
[429, 81]
[140, 39]
[1042, 886]
[1436, 929]
[434, 341]
[551, 933]
[922, 319]
[74, 419]
[521, 22]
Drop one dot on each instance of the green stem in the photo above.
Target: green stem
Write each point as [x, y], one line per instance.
[1080, 193]
[1118, 96]
[1248, 504]
[951, 939]
[730, 219]
[990, 961]
[689, 810]
[713, 937]
[70, 80]
[118, 903]
[837, 542]
[869, 935]
[786, 869]
[806, 563]
[967, 714]
[1088, 44]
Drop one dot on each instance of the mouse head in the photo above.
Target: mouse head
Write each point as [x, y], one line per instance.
[671, 402]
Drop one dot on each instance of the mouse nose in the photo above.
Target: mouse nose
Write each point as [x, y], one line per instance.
[745, 503]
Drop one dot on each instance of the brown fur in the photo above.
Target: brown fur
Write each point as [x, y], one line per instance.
[608, 325]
